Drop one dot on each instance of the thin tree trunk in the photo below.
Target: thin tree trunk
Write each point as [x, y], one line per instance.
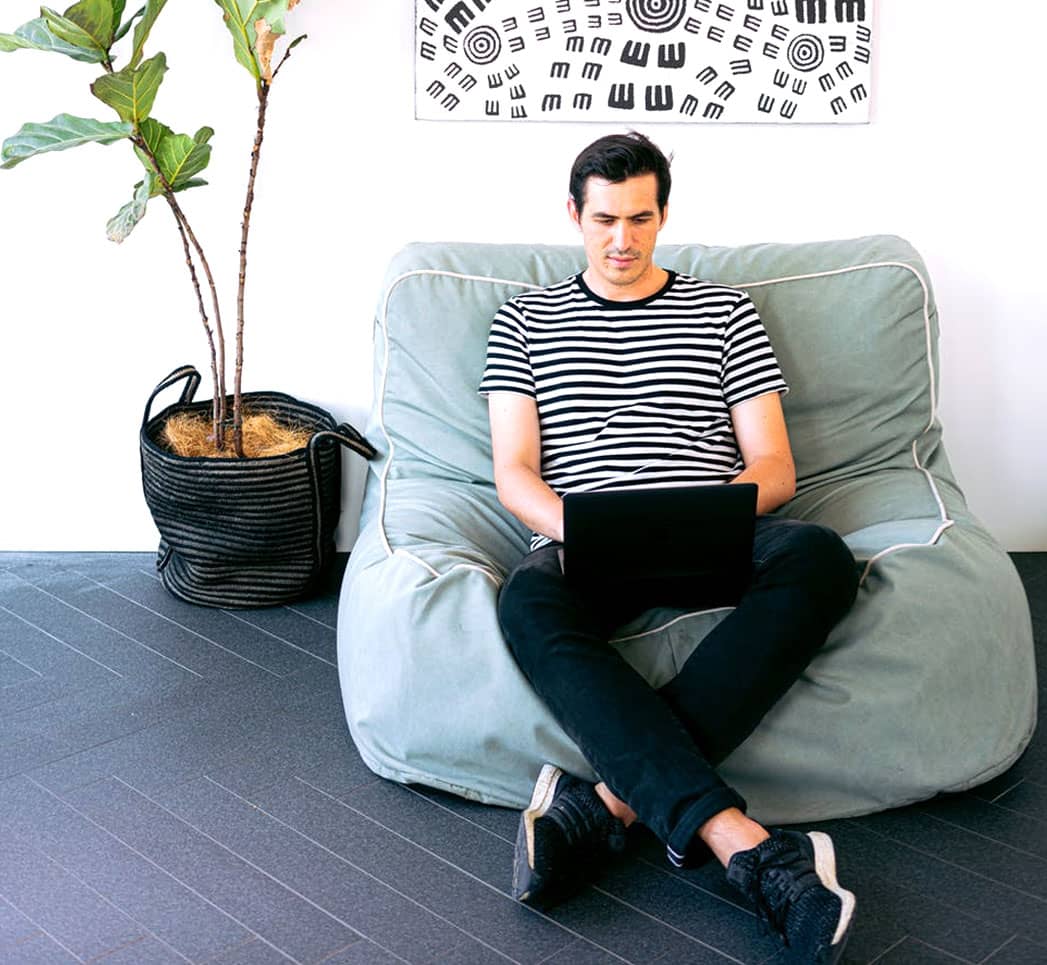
[245, 228]
[219, 412]
[216, 406]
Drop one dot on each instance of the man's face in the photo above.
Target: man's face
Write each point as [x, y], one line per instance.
[620, 224]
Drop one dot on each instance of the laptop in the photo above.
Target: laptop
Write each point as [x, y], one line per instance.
[679, 546]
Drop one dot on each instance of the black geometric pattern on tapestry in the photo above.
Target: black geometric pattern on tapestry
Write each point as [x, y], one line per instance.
[625, 60]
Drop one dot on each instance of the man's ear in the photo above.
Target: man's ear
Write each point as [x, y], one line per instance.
[573, 212]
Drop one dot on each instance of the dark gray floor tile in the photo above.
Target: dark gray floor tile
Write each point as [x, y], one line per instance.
[216, 724]
[164, 906]
[583, 953]
[14, 672]
[145, 951]
[304, 751]
[67, 623]
[14, 926]
[49, 656]
[922, 917]
[255, 952]
[377, 912]
[28, 754]
[458, 897]
[43, 566]
[186, 648]
[974, 896]
[36, 950]
[1027, 797]
[913, 952]
[1006, 825]
[217, 626]
[630, 929]
[62, 906]
[295, 628]
[273, 911]
[1018, 952]
[1023, 871]
[362, 953]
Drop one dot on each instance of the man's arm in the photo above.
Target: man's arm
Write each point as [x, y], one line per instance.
[759, 427]
[516, 441]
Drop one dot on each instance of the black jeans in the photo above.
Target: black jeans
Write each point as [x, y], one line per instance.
[657, 749]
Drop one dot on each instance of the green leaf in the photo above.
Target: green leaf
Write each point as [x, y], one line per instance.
[131, 91]
[122, 31]
[59, 134]
[243, 42]
[179, 156]
[118, 13]
[36, 35]
[153, 132]
[145, 26]
[191, 183]
[124, 221]
[88, 24]
[240, 17]
[181, 159]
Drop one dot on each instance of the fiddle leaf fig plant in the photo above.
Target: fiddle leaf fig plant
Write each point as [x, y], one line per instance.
[87, 32]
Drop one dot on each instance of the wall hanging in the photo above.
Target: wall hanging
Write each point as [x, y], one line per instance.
[786, 61]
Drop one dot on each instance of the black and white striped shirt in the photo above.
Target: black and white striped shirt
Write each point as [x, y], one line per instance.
[633, 393]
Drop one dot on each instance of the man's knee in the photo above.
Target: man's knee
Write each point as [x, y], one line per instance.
[533, 581]
[816, 556]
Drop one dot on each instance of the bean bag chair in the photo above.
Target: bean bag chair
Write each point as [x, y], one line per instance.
[927, 685]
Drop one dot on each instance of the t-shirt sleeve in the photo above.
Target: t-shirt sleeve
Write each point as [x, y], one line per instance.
[508, 359]
[750, 368]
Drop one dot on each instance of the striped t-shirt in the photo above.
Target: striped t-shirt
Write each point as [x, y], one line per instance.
[634, 393]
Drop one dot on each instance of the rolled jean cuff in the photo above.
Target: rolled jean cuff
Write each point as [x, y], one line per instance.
[684, 847]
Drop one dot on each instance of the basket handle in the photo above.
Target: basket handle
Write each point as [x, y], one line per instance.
[348, 437]
[187, 372]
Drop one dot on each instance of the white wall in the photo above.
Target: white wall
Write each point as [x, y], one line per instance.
[349, 176]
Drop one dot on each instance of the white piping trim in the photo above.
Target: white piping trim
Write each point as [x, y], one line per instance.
[436, 574]
[948, 524]
[673, 621]
[877, 264]
[385, 376]
[943, 514]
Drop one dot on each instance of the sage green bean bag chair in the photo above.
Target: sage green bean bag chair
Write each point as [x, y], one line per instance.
[927, 685]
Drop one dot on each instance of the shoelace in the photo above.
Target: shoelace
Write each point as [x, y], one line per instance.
[581, 825]
[780, 881]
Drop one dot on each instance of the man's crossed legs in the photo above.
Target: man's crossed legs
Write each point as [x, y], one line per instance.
[656, 750]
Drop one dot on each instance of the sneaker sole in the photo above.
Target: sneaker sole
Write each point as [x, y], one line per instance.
[541, 799]
[825, 866]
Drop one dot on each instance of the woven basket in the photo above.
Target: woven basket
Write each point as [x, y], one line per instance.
[245, 532]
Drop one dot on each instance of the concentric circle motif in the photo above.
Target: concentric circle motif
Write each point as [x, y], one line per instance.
[656, 16]
[806, 52]
[482, 45]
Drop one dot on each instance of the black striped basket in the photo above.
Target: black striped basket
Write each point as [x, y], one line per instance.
[245, 532]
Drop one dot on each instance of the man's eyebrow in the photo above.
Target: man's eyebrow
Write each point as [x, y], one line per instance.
[649, 213]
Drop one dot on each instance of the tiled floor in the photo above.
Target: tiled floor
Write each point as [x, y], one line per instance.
[177, 785]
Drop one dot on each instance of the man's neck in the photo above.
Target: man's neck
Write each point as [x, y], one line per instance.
[650, 284]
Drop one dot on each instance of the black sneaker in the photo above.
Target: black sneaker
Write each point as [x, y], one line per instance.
[791, 879]
[565, 835]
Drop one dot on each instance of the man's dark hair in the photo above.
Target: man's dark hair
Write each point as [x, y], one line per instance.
[617, 157]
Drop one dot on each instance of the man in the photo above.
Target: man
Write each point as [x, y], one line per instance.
[630, 375]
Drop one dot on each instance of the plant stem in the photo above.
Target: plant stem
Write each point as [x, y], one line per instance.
[216, 408]
[219, 411]
[245, 227]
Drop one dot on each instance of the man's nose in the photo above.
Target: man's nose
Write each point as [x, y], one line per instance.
[621, 235]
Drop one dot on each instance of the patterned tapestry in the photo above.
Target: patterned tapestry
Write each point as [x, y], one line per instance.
[770, 61]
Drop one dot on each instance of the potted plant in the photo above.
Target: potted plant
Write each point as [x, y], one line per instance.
[242, 523]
